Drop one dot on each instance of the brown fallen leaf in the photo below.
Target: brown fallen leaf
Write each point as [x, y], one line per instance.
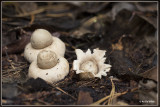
[121, 103]
[84, 98]
[80, 32]
[90, 6]
[148, 92]
[119, 7]
[118, 46]
[17, 46]
[151, 74]
[146, 6]
[149, 17]
[22, 7]
[90, 26]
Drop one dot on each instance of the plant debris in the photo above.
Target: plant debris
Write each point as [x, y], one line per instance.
[84, 98]
[127, 31]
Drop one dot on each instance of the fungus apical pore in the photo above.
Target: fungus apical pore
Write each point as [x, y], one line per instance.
[47, 59]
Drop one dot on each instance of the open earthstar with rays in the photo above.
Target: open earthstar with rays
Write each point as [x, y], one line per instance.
[90, 65]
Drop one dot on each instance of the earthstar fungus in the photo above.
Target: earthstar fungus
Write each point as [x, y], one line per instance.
[49, 66]
[90, 65]
[41, 39]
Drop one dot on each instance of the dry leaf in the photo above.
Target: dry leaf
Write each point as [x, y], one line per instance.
[151, 73]
[120, 6]
[147, 6]
[147, 92]
[121, 103]
[84, 98]
[118, 46]
[22, 7]
[80, 32]
[17, 46]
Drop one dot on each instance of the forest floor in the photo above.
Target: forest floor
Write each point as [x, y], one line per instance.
[127, 31]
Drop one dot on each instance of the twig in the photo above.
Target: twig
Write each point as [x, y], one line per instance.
[61, 15]
[85, 83]
[65, 92]
[116, 95]
[112, 93]
[23, 89]
[41, 101]
[62, 91]
[40, 10]
[32, 19]
[30, 13]
[70, 46]
[8, 60]
[16, 68]
[6, 19]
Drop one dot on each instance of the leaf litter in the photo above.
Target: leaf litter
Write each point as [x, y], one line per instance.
[126, 34]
